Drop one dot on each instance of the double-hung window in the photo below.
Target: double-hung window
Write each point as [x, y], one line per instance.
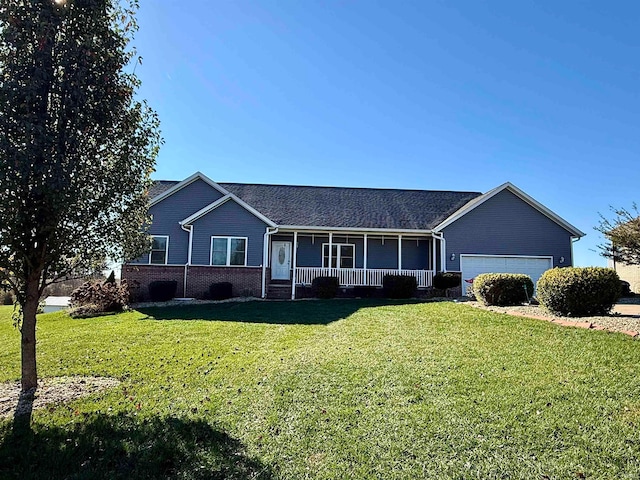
[229, 251]
[342, 255]
[159, 249]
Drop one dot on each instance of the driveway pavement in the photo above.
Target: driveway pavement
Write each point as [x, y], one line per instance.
[626, 309]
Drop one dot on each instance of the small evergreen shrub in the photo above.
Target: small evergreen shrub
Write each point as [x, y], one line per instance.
[220, 291]
[577, 292]
[399, 286]
[99, 297]
[470, 293]
[503, 289]
[162, 290]
[325, 287]
[7, 298]
[446, 280]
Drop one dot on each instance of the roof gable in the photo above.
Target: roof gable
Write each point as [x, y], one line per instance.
[221, 201]
[163, 189]
[476, 202]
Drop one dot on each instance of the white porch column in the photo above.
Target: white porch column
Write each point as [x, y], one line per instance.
[330, 251]
[364, 260]
[399, 252]
[295, 264]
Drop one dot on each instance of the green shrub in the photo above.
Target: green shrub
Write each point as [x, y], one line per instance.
[325, 287]
[98, 297]
[503, 288]
[470, 293]
[162, 290]
[446, 280]
[7, 298]
[399, 286]
[220, 290]
[579, 292]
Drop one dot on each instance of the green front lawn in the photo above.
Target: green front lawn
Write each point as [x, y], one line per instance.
[331, 390]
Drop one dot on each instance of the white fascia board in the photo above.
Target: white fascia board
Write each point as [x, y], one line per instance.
[187, 181]
[221, 201]
[311, 229]
[476, 202]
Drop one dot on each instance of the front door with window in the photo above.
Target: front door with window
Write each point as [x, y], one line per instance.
[280, 260]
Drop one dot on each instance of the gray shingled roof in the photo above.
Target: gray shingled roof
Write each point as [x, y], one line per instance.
[345, 207]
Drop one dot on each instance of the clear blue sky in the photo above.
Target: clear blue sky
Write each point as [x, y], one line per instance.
[460, 95]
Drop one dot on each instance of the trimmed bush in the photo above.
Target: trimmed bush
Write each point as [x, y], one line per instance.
[503, 289]
[325, 287]
[98, 297]
[162, 290]
[470, 293]
[7, 298]
[399, 286]
[578, 292]
[221, 291]
[446, 280]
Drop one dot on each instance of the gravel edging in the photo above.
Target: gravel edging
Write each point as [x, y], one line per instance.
[628, 324]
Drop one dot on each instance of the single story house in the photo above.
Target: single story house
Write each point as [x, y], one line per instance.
[268, 239]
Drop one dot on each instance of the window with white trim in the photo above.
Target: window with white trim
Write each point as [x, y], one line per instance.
[159, 249]
[229, 251]
[342, 254]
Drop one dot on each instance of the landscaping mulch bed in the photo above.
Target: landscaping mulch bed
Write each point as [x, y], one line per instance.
[629, 324]
[50, 391]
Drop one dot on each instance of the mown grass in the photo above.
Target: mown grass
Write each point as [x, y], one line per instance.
[329, 389]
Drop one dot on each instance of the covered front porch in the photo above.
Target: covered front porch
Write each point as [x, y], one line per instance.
[296, 257]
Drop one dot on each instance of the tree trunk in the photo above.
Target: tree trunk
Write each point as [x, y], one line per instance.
[28, 330]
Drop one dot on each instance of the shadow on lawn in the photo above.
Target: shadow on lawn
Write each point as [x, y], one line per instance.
[311, 312]
[120, 446]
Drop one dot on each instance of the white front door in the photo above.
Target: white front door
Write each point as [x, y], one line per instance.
[280, 260]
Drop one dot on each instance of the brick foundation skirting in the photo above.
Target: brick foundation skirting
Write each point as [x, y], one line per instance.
[246, 281]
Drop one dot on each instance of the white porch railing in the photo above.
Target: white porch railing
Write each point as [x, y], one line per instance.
[360, 276]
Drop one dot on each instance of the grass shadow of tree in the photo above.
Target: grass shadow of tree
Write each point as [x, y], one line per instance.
[119, 447]
[311, 312]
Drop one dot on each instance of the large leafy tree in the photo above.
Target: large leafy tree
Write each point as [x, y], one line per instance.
[623, 235]
[76, 147]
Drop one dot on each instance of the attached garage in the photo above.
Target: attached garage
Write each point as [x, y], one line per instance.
[473, 265]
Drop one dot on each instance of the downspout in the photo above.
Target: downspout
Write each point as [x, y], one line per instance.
[265, 256]
[443, 250]
[187, 228]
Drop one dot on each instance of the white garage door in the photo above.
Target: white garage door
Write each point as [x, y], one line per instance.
[473, 265]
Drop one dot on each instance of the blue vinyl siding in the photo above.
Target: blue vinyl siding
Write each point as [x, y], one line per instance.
[228, 220]
[167, 214]
[414, 255]
[506, 225]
